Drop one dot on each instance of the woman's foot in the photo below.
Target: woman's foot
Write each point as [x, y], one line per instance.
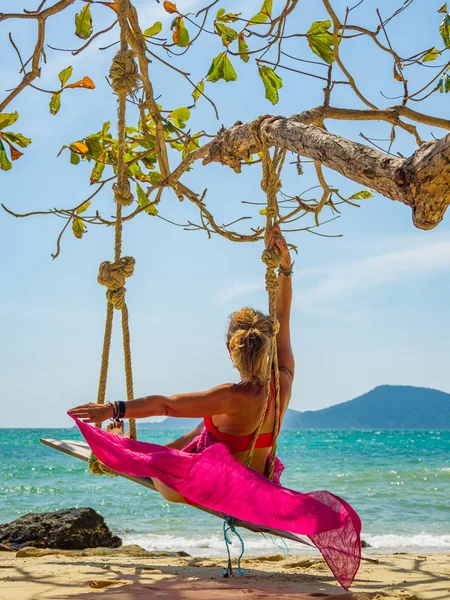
[118, 428]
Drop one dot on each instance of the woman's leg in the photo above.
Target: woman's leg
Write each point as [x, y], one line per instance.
[117, 427]
[168, 493]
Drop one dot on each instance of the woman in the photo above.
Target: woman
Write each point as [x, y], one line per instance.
[232, 411]
[206, 466]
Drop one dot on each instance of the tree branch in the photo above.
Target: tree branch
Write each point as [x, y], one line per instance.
[421, 181]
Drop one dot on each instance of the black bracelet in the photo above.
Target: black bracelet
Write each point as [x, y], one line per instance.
[121, 409]
[114, 407]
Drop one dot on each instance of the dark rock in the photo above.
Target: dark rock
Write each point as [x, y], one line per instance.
[365, 544]
[6, 548]
[71, 529]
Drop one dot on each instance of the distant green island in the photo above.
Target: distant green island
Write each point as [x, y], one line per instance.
[385, 407]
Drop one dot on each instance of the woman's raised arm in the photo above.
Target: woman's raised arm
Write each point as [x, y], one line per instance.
[284, 300]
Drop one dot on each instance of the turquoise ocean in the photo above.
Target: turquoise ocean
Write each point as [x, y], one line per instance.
[398, 481]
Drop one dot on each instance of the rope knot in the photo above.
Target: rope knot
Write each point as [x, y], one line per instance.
[272, 212]
[113, 274]
[275, 325]
[271, 257]
[117, 297]
[122, 193]
[124, 72]
[272, 283]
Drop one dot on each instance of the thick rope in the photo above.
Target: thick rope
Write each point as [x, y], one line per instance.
[271, 257]
[128, 368]
[124, 80]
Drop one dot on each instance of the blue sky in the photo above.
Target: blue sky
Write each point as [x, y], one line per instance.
[369, 308]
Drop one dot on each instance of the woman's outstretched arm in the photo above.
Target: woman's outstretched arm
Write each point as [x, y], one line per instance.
[284, 300]
[223, 399]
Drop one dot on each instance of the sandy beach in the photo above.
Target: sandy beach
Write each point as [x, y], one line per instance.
[131, 574]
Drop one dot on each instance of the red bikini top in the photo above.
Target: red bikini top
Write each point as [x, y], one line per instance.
[241, 443]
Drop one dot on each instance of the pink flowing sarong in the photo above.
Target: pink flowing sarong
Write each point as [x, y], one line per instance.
[208, 475]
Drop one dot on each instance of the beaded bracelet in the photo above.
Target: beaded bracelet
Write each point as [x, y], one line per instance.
[286, 272]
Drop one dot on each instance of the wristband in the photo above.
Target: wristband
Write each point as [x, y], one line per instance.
[286, 272]
[121, 409]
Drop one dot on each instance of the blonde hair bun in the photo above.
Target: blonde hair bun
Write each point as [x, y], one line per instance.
[249, 333]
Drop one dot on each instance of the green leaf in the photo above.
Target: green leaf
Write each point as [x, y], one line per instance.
[55, 103]
[153, 177]
[229, 74]
[443, 8]
[447, 83]
[258, 19]
[105, 129]
[216, 69]
[150, 160]
[321, 41]
[180, 34]
[199, 90]
[444, 84]
[17, 138]
[7, 119]
[97, 171]
[78, 228]
[153, 30]
[179, 116]
[5, 163]
[83, 207]
[264, 14]
[243, 48]
[83, 23]
[431, 55]
[177, 145]
[228, 17]
[95, 145]
[228, 34]
[64, 76]
[221, 68]
[133, 169]
[362, 195]
[444, 30]
[142, 199]
[267, 7]
[74, 158]
[144, 202]
[272, 83]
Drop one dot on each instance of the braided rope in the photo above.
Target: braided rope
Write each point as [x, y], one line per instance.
[271, 257]
[124, 80]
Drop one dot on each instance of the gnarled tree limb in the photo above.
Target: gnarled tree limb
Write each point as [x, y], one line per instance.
[421, 181]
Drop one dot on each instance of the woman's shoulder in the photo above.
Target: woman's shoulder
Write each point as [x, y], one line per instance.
[243, 391]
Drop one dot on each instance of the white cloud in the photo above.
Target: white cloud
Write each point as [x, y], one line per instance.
[336, 283]
[345, 280]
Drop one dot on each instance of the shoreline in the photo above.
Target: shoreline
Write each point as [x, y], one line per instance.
[213, 545]
[136, 574]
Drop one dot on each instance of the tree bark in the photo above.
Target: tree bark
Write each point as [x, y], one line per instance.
[421, 181]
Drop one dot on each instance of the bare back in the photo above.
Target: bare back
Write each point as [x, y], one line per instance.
[247, 416]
